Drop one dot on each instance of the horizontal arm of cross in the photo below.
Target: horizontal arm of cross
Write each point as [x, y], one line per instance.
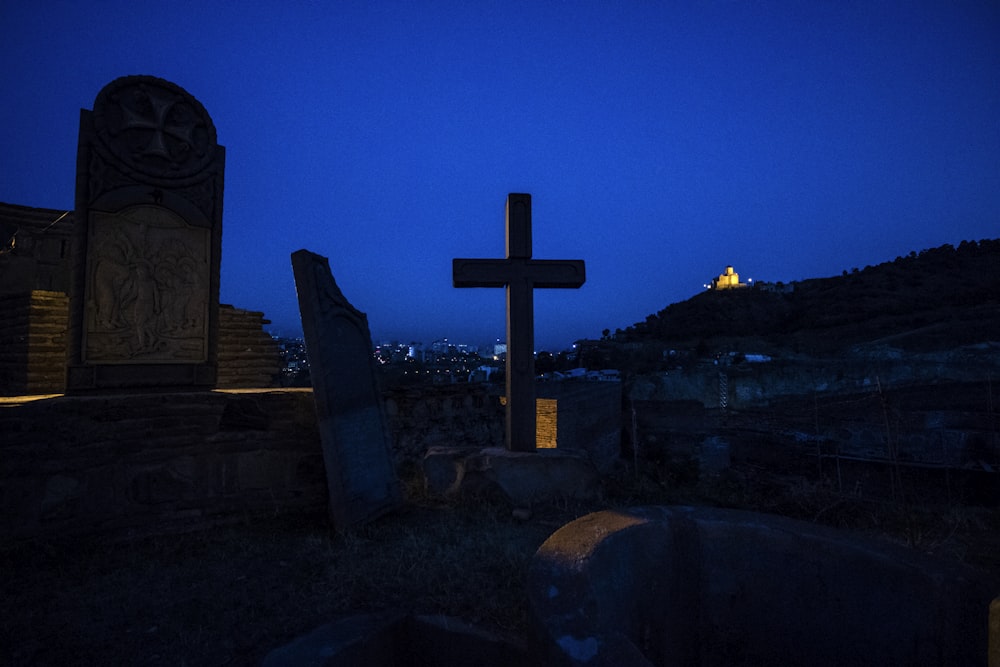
[500, 272]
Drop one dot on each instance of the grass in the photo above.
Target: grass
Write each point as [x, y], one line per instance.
[228, 596]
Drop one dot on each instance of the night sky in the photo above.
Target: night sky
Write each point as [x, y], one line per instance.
[660, 141]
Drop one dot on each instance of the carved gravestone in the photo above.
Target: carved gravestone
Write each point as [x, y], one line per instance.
[352, 422]
[144, 299]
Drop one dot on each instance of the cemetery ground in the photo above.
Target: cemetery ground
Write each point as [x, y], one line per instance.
[229, 595]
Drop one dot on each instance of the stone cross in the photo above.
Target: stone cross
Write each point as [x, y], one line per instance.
[520, 274]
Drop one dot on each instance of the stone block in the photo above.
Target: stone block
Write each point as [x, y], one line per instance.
[259, 470]
[581, 415]
[61, 495]
[170, 482]
[520, 478]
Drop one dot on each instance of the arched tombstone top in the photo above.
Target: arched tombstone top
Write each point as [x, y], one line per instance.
[154, 127]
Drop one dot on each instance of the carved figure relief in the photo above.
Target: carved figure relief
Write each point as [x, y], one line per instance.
[147, 287]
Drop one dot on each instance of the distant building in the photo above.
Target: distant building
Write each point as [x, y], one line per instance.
[727, 280]
[776, 288]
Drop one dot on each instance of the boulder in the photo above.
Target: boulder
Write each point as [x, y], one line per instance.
[706, 587]
[396, 639]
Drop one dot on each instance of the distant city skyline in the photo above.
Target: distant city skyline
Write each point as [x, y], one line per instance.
[660, 142]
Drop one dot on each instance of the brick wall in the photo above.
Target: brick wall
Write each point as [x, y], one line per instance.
[33, 342]
[33, 345]
[248, 356]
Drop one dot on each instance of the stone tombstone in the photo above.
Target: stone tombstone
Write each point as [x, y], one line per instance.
[144, 296]
[352, 423]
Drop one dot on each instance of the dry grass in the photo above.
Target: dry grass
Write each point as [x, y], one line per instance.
[228, 596]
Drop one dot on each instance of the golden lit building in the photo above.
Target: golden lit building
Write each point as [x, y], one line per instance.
[727, 280]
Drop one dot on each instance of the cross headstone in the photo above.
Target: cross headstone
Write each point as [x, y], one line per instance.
[353, 430]
[144, 296]
[520, 274]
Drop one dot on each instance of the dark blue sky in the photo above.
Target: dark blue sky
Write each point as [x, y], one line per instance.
[660, 141]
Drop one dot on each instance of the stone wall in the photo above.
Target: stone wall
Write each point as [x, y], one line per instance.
[248, 356]
[864, 369]
[581, 415]
[576, 415]
[156, 463]
[443, 415]
[152, 463]
[33, 342]
[945, 424]
[935, 441]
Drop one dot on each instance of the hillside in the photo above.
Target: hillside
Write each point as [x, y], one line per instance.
[932, 300]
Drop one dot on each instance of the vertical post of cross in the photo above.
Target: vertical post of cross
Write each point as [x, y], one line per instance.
[520, 382]
[520, 275]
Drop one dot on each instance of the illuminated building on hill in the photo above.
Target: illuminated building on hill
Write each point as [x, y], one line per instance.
[727, 280]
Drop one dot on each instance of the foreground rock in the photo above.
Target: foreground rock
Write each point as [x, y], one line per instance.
[396, 639]
[702, 586]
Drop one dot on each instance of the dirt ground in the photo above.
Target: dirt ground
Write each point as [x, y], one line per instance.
[230, 595]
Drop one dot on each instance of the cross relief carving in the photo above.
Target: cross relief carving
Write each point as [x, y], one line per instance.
[165, 117]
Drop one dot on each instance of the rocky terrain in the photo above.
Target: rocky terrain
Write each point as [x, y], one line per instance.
[883, 383]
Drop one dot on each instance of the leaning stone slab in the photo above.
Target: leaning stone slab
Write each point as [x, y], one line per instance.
[352, 423]
[703, 586]
[520, 478]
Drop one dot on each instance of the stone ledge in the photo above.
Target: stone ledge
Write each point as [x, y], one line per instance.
[157, 463]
